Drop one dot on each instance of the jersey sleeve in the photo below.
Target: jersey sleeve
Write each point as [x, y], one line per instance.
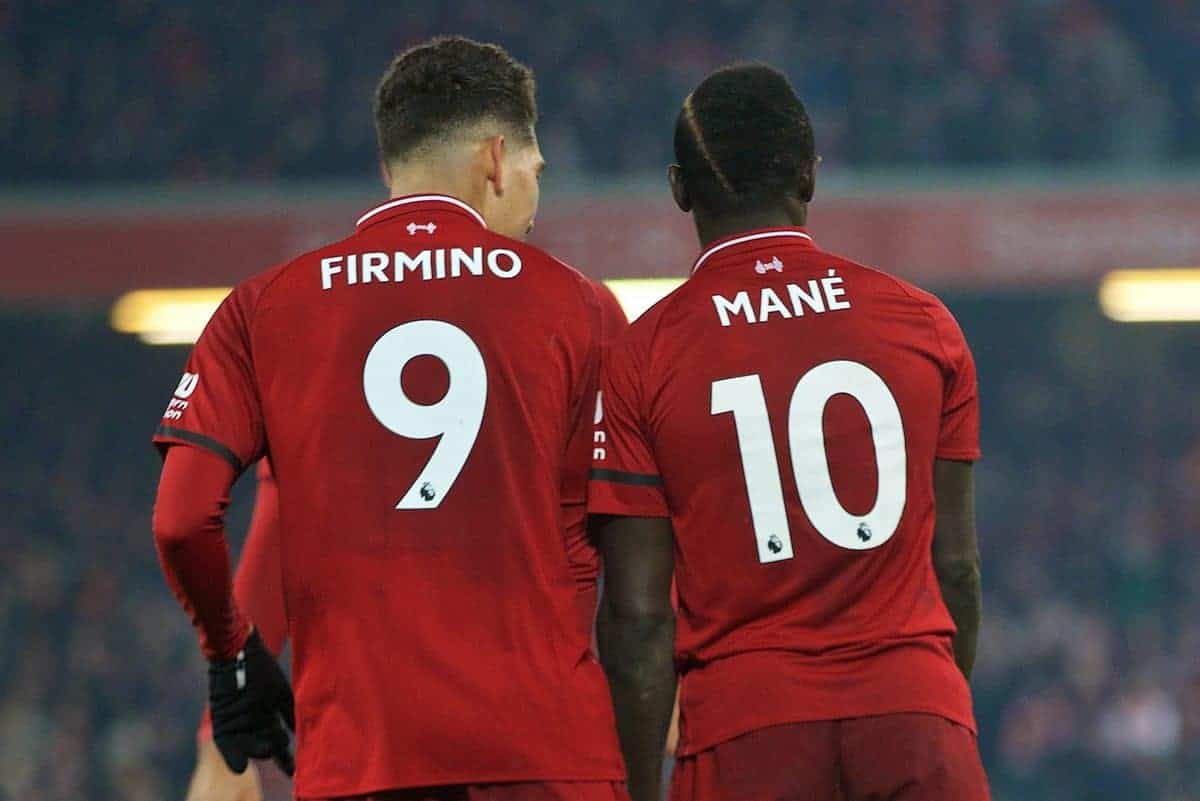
[958, 435]
[189, 535]
[583, 559]
[216, 405]
[624, 479]
[258, 582]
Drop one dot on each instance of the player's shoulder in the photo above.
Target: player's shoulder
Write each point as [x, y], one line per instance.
[642, 333]
[553, 281]
[874, 278]
[546, 267]
[942, 325]
[882, 282]
[250, 293]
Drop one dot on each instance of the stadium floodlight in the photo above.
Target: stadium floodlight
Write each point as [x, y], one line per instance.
[166, 316]
[1151, 296]
[177, 316]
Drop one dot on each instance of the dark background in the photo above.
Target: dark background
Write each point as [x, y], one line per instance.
[1089, 491]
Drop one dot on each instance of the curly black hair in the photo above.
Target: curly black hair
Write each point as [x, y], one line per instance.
[447, 83]
[742, 139]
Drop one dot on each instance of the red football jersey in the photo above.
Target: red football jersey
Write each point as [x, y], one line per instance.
[425, 389]
[784, 407]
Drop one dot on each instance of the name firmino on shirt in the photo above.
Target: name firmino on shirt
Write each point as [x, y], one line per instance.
[378, 267]
[817, 297]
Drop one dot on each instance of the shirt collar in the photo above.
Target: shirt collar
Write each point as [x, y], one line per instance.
[418, 203]
[791, 236]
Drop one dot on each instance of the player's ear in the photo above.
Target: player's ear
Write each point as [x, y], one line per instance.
[678, 190]
[494, 151]
[808, 181]
[385, 172]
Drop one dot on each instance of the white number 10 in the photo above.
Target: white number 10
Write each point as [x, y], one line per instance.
[743, 396]
[456, 418]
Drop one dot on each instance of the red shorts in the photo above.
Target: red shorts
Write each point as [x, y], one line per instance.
[514, 791]
[904, 757]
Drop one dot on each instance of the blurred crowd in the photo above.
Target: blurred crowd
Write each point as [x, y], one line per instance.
[1089, 500]
[130, 90]
[1088, 684]
[1089, 492]
[100, 689]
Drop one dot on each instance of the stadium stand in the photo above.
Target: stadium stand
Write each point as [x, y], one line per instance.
[127, 90]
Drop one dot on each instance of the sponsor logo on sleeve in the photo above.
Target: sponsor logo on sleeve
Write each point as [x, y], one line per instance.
[599, 436]
[179, 402]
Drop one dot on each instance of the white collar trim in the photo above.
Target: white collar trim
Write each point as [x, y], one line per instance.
[404, 201]
[743, 239]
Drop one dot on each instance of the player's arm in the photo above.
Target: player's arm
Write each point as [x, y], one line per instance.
[212, 428]
[956, 555]
[258, 582]
[637, 636]
[673, 728]
[631, 523]
[189, 534]
[258, 592]
[248, 692]
[955, 544]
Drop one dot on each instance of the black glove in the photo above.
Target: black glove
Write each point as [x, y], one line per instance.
[250, 700]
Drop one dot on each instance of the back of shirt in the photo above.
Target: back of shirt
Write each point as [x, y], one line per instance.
[425, 390]
[785, 407]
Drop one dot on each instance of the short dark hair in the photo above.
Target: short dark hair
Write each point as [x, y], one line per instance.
[447, 83]
[742, 138]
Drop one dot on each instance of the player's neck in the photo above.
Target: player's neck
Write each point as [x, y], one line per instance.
[716, 227]
[449, 189]
[424, 181]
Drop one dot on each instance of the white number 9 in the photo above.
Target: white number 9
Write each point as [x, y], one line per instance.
[455, 418]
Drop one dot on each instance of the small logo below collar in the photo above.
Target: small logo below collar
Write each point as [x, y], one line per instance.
[741, 240]
[442, 200]
[774, 264]
[428, 228]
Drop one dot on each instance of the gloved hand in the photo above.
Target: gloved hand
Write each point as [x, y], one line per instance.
[250, 701]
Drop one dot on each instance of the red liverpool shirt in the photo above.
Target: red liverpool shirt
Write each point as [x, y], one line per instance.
[425, 390]
[784, 407]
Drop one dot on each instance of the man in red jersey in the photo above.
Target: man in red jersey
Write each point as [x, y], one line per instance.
[258, 592]
[425, 389]
[795, 433]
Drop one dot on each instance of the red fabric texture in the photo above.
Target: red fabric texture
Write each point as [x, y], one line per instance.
[258, 582]
[520, 791]
[189, 533]
[904, 757]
